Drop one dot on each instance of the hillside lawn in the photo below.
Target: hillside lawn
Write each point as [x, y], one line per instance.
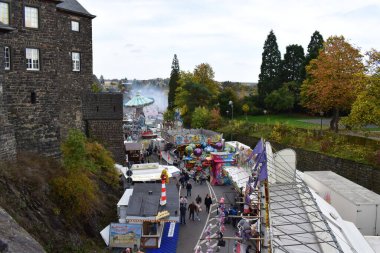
[295, 120]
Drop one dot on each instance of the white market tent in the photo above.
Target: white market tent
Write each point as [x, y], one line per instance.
[238, 175]
[148, 171]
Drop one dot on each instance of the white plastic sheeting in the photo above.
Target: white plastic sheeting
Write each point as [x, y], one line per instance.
[105, 233]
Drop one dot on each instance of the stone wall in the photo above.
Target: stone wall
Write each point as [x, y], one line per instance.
[40, 126]
[103, 115]
[362, 174]
[7, 134]
[73, 84]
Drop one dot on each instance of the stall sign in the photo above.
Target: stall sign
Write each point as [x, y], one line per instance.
[125, 235]
[162, 215]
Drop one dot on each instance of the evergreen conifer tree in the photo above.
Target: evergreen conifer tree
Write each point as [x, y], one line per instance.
[316, 44]
[292, 64]
[270, 68]
[173, 83]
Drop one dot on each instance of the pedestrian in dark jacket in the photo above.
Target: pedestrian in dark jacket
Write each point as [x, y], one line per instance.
[208, 202]
[182, 211]
[198, 200]
[188, 188]
[192, 208]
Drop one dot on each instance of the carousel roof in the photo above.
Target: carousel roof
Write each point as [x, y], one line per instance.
[139, 101]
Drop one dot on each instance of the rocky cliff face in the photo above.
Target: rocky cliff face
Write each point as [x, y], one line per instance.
[14, 238]
[25, 193]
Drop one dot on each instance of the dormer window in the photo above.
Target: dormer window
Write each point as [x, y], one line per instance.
[75, 26]
[31, 17]
[4, 13]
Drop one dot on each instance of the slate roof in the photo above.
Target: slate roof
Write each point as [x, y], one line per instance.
[75, 7]
[144, 205]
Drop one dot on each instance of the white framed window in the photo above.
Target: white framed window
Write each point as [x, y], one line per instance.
[7, 58]
[4, 13]
[31, 17]
[32, 59]
[75, 56]
[75, 26]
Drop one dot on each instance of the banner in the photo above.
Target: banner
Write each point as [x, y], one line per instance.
[125, 235]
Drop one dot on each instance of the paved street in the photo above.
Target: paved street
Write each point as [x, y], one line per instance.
[192, 233]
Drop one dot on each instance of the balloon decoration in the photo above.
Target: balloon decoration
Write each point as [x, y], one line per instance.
[189, 150]
[197, 152]
[203, 145]
[209, 149]
[218, 146]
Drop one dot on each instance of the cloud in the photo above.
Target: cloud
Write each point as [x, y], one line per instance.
[138, 38]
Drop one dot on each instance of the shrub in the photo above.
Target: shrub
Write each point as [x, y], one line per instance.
[76, 195]
[200, 118]
[101, 163]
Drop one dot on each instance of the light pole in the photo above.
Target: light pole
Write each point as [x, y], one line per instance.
[232, 109]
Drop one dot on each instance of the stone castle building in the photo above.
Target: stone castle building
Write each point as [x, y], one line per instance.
[46, 73]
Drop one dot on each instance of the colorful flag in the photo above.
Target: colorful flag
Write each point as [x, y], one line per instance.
[261, 167]
[257, 150]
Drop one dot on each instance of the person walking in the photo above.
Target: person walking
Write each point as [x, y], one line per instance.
[188, 188]
[198, 200]
[197, 211]
[208, 202]
[182, 211]
[183, 201]
[192, 208]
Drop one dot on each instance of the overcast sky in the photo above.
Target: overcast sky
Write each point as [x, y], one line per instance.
[138, 38]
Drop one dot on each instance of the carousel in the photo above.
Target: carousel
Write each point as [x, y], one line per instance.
[138, 128]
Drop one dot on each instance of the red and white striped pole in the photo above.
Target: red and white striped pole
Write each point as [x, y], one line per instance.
[163, 193]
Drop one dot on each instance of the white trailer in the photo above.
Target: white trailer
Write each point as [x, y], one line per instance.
[353, 202]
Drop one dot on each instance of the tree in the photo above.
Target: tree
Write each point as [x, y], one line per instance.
[173, 83]
[245, 109]
[225, 96]
[315, 45]
[215, 119]
[292, 64]
[366, 108]
[270, 68]
[190, 95]
[204, 74]
[336, 79]
[280, 100]
[200, 118]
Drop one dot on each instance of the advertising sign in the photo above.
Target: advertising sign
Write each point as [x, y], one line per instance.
[125, 235]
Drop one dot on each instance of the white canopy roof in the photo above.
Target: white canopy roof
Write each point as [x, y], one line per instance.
[237, 174]
[148, 171]
[125, 198]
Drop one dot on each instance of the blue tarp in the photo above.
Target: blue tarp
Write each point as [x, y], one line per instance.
[168, 244]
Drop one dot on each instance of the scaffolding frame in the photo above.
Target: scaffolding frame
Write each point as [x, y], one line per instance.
[297, 223]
